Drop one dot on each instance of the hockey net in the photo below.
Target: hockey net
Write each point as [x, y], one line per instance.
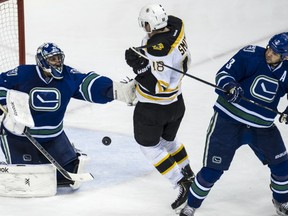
[12, 39]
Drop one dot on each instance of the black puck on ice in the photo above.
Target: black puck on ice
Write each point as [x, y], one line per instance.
[106, 140]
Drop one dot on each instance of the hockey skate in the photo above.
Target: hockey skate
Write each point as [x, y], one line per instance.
[184, 185]
[187, 171]
[281, 208]
[187, 211]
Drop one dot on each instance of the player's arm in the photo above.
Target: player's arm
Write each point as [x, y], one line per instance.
[100, 89]
[228, 78]
[142, 67]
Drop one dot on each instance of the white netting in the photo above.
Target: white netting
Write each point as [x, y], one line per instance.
[9, 45]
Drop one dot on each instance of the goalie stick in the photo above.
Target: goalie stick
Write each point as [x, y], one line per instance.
[81, 177]
[136, 50]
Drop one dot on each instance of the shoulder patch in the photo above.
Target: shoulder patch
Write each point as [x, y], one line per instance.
[13, 72]
[249, 48]
[74, 71]
[159, 46]
[160, 49]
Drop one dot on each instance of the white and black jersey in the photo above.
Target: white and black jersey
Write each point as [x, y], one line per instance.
[162, 85]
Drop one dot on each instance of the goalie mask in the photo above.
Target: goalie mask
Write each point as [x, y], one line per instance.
[50, 58]
[154, 15]
[279, 44]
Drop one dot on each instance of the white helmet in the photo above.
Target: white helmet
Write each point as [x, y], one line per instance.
[154, 15]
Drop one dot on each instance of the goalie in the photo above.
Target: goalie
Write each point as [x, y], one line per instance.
[50, 84]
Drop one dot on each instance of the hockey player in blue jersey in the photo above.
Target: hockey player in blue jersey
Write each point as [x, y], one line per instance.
[258, 74]
[50, 85]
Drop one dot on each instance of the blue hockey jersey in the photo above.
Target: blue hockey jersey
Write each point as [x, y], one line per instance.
[260, 82]
[49, 98]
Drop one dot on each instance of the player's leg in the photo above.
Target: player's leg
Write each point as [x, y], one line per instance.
[148, 128]
[176, 149]
[29, 173]
[173, 146]
[279, 187]
[19, 150]
[149, 123]
[271, 150]
[67, 156]
[222, 139]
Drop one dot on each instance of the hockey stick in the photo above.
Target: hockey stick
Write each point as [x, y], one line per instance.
[82, 177]
[135, 49]
[71, 176]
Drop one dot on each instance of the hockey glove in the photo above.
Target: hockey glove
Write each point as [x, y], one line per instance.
[139, 64]
[125, 92]
[234, 92]
[284, 117]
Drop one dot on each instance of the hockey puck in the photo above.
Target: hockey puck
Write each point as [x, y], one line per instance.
[106, 140]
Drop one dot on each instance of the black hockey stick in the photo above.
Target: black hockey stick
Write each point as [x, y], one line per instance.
[135, 49]
[81, 177]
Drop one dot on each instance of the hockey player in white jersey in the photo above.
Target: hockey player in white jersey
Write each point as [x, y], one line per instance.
[160, 107]
[50, 85]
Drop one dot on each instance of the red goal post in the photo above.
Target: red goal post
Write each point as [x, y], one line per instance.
[12, 34]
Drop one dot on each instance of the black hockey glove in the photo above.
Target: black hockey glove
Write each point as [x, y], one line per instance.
[234, 92]
[139, 64]
[284, 116]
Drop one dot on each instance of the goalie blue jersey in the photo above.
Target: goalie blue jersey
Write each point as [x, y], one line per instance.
[49, 98]
[260, 82]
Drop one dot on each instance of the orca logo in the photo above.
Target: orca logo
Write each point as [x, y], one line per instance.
[217, 159]
[27, 157]
[45, 99]
[264, 88]
[250, 48]
[13, 72]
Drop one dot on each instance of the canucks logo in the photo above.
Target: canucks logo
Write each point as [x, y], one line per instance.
[13, 72]
[45, 99]
[159, 46]
[264, 88]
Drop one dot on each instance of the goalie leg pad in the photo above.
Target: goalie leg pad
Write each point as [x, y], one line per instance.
[28, 180]
[81, 168]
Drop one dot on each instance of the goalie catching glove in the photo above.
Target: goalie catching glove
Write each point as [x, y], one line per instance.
[18, 115]
[125, 91]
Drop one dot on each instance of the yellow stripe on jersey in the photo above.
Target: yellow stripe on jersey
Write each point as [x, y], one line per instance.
[163, 87]
[178, 40]
[155, 98]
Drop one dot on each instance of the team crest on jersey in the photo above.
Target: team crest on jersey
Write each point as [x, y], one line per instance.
[75, 71]
[45, 99]
[250, 48]
[13, 72]
[264, 88]
[159, 46]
